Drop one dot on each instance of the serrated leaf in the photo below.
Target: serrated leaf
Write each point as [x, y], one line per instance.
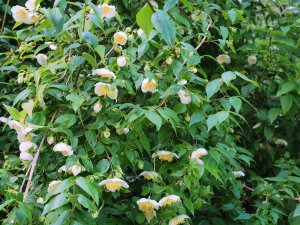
[154, 118]
[213, 87]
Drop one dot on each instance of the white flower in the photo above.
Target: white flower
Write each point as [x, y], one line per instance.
[52, 45]
[182, 82]
[75, 169]
[168, 200]
[103, 89]
[65, 149]
[53, 185]
[184, 97]
[140, 32]
[257, 125]
[149, 86]
[107, 11]
[30, 4]
[4, 119]
[20, 14]
[26, 146]
[251, 59]
[238, 174]
[26, 156]
[40, 200]
[148, 206]
[31, 17]
[121, 61]
[290, 10]
[120, 38]
[281, 142]
[28, 107]
[125, 130]
[62, 169]
[50, 140]
[104, 73]
[154, 4]
[165, 155]
[197, 154]
[178, 220]
[42, 59]
[149, 175]
[223, 59]
[97, 107]
[114, 184]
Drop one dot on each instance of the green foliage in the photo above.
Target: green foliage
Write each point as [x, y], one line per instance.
[108, 106]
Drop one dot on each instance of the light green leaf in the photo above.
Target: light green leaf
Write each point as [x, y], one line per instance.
[143, 19]
[211, 121]
[15, 114]
[228, 76]
[170, 4]
[286, 87]
[154, 118]
[90, 59]
[22, 96]
[56, 203]
[88, 187]
[196, 118]
[273, 114]
[236, 102]
[103, 165]
[85, 202]
[90, 38]
[76, 100]
[164, 26]
[100, 49]
[213, 87]
[222, 116]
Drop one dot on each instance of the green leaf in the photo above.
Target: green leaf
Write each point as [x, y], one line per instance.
[224, 32]
[297, 211]
[85, 202]
[286, 103]
[143, 19]
[7, 202]
[90, 59]
[37, 119]
[54, 15]
[164, 26]
[273, 114]
[228, 76]
[212, 121]
[100, 49]
[56, 203]
[88, 187]
[213, 87]
[244, 216]
[90, 38]
[66, 119]
[189, 204]
[64, 185]
[62, 218]
[91, 138]
[232, 15]
[154, 118]
[103, 165]
[286, 87]
[236, 102]
[222, 116]
[76, 100]
[170, 4]
[246, 78]
[22, 96]
[15, 114]
[196, 118]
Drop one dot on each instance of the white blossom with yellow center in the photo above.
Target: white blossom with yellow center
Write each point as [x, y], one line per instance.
[23, 131]
[223, 59]
[184, 97]
[149, 175]
[75, 169]
[53, 184]
[104, 73]
[281, 142]
[41, 59]
[103, 89]
[148, 206]
[182, 82]
[65, 149]
[197, 154]
[251, 59]
[178, 220]
[52, 45]
[114, 184]
[107, 11]
[168, 200]
[120, 38]
[149, 86]
[238, 174]
[20, 14]
[165, 155]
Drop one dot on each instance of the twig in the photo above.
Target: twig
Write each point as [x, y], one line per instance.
[151, 6]
[4, 17]
[35, 159]
[27, 35]
[248, 188]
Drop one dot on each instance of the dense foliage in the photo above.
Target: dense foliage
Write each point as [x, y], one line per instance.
[144, 112]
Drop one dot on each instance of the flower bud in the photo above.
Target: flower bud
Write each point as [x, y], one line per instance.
[169, 60]
[126, 130]
[252, 59]
[50, 140]
[193, 69]
[40, 200]
[97, 107]
[106, 133]
[130, 37]
[140, 32]
[147, 68]
[121, 61]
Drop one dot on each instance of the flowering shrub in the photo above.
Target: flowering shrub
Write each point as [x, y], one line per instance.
[143, 112]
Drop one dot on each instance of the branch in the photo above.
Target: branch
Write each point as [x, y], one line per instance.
[4, 18]
[35, 159]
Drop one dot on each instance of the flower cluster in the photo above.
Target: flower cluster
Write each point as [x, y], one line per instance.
[25, 15]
